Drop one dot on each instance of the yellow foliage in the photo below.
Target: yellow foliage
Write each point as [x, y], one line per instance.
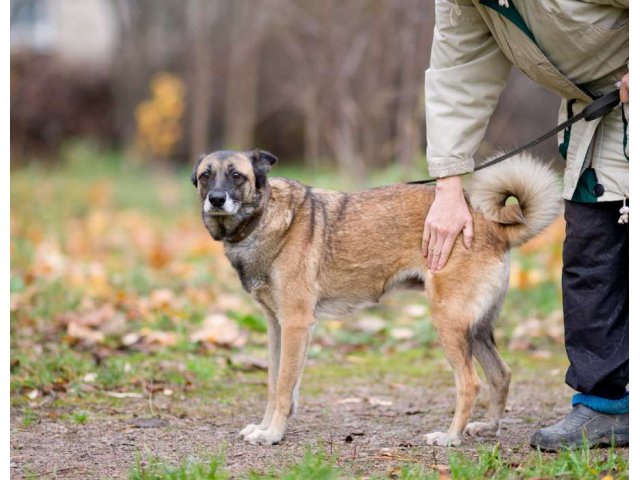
[158, 118]
[552, 235]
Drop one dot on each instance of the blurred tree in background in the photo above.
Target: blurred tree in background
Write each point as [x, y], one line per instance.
[158, 118]
[319, 82]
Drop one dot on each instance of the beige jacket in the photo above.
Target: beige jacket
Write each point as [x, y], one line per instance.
[578, 49]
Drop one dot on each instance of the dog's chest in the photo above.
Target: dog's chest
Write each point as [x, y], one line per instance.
[253, 273]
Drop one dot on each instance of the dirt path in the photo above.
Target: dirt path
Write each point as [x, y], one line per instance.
[368, 436]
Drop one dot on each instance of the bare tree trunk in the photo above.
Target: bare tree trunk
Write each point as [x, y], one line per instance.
[406, 144]
[345, 145]
[126, 87]
[201, 88]
[241, 102]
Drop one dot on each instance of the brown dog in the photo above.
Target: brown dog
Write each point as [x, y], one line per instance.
[305, 253]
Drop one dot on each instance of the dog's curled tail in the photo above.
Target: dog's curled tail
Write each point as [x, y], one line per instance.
[532, 183]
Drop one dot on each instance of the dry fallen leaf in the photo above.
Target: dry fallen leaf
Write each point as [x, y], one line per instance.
[80, 333]
[227, 301]
[162, 298]
[198, 296]
[370, 324]
[49, 261]
[159, 338]
[130, 338]
[527, 335]
[220, 330]
[542, 354]
[415, 311]
[402, 333]
[124, 394]
[389, 454]
[247, 362]
[374, 401]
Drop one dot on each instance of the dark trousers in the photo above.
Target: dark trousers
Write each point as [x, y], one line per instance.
[595, 291]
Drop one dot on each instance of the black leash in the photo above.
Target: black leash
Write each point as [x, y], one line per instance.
[596, 109]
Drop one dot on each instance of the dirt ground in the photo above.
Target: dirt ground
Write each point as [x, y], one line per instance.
[371, 424]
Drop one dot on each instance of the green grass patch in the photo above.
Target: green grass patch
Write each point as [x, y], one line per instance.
[253, 323]
[486, 463]
[29, 417]
[154, 469]
[79, 417]
[314, 466]
[49, 369]
[578, 463]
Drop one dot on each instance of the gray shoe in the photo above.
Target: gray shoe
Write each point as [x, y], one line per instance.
[597, 429]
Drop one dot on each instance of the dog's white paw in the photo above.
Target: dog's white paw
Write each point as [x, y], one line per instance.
[252, 427]
[482, 429]
[264, 437]
[442, 439]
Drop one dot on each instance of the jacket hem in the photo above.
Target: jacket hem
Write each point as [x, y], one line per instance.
[449, 169]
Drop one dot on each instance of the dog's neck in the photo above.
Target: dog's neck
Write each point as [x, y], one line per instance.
[248, 224]
[244, 228]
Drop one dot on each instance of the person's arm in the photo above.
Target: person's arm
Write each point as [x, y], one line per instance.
[466, 75]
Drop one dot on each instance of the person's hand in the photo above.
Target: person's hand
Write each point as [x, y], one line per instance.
[448, 215]
[624, 89]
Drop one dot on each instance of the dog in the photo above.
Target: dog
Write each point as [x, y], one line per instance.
[305, 253]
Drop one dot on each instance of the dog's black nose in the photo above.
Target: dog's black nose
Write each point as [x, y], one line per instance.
[217, 199]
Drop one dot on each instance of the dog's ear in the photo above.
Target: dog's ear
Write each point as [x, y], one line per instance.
[194, 172]
[262, 162]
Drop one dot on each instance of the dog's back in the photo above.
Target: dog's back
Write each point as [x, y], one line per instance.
[361, 245]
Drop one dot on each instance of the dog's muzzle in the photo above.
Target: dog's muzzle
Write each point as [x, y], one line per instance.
[220, 203]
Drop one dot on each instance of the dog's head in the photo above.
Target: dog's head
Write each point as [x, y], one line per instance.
[231, 182]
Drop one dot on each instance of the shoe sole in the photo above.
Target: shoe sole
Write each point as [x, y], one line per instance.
[619, 440]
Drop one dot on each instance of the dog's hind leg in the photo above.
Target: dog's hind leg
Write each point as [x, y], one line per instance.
[495, 369]
[453, 329]
[274, 333]
[295, 337]
[498, 376]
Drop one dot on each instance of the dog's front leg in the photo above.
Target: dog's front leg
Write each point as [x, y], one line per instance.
[295, 337]
[274, 333]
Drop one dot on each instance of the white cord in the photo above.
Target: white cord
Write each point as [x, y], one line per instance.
[624, 218]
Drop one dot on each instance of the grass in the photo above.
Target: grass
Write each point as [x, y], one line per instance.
[29, 417]
[80, 417]
[580, 463]
[154, 468]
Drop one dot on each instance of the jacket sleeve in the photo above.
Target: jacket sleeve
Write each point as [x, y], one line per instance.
[467, 73]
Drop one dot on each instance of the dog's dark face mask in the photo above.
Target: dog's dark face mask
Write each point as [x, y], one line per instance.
[231, 187]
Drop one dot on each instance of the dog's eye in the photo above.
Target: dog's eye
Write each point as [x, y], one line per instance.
[237, 176]
[206, 174]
